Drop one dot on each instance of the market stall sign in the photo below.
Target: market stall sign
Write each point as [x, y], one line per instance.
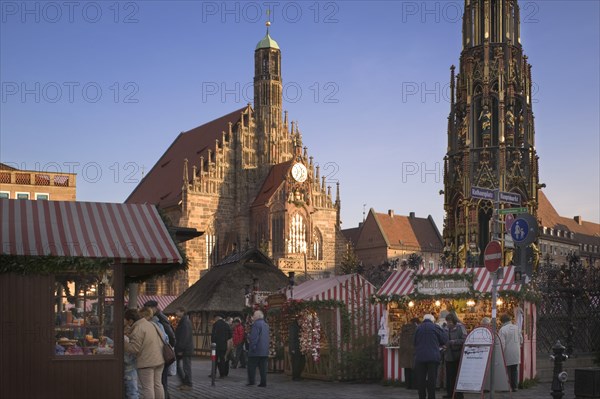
[443, 286]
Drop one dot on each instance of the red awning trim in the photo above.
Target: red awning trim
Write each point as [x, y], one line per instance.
[127, 233]
[401, 282]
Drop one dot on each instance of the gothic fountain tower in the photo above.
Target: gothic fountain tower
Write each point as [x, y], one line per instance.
[491, 135]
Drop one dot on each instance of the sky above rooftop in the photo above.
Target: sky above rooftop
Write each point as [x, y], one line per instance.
[103, 88]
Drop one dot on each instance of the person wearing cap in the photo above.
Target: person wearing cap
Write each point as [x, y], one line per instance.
[160, 319]
[429, 339]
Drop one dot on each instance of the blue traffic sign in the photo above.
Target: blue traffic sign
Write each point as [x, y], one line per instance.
[519, 230]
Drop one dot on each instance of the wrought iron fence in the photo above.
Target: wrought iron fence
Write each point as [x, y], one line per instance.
[569, 310]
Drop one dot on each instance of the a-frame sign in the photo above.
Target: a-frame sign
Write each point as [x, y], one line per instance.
[475, 363]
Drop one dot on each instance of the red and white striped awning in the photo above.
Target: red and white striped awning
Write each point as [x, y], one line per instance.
[127, 233]
[401, 282]
[332, 288]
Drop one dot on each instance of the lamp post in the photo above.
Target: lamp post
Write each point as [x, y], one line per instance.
[291, 278]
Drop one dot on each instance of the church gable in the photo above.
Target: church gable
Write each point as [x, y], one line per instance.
[162, 185]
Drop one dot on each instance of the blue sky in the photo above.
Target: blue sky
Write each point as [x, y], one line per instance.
[103, 88]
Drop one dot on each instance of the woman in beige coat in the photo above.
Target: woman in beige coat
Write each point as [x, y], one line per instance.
[146, 344]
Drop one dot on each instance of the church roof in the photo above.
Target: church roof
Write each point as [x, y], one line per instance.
[274, 180]
[162, 185]
[586, 232]
[352, 234]
[409, 231]
[267, 42]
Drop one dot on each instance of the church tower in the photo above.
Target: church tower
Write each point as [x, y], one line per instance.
[268, 98]
[491, 135]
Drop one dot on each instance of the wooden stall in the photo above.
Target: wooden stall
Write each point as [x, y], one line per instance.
[346, 317]
[62, 275]
[467, 292]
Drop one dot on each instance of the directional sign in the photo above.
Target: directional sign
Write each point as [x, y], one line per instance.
[507, 211]
[524, 230]
[483, 193]
[492, 256]
[511, 198]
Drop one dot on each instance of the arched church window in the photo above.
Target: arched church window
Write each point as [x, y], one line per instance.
[211, 249]
[297, 235]
[317, 245]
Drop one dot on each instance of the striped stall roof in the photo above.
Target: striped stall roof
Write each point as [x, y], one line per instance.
[401, 282]
[127, 233]
[162, 300]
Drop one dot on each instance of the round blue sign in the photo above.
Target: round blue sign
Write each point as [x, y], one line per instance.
[519, 230]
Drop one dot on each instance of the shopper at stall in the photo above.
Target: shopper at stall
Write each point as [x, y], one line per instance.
[457, 333]
[159, 317]
[258, 352]
[146, 344]
[511, 340]
[429, 340]
[221, 333]
[406, 358]
[184, 349]
[297, 357]
[239, 338]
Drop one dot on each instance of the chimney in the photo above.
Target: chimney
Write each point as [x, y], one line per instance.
[578, 220]
[412, 215]
[391, 213]
[360, 224]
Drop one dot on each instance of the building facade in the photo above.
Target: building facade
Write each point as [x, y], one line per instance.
[561, 236]
[491, 134]
[387, 237]
[246, 180]
[35, 185]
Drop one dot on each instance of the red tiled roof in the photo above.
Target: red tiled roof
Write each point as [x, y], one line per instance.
[162, 185]
[274, 180]
[587, 232]
[405, 231]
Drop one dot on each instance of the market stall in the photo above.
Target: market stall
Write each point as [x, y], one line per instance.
[466, 291]
[336, 320]
[62, 280]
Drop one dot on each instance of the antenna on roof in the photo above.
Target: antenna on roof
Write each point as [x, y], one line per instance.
[268, 23]
[364, 211]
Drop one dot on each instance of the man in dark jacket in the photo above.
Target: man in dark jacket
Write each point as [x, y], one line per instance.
[184, 349]
[429, 339]
[162, 319]
[298, 359]
[221, 333]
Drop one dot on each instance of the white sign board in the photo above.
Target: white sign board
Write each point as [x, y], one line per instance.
[438, 287]
[473, 368]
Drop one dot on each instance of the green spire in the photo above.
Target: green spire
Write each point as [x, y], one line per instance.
[267, 41]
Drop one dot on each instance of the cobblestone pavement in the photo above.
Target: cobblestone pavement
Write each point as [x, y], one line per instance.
[280, 385]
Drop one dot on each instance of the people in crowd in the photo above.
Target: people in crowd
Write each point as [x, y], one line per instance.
[221, 333]
[146, 344]
[130, 378]
[511, 340]
[296, 355]
[159, 317]
[239, 338]
[184, 349]
[486, 322]
[429, 340]
[406, 359]
[258, 352]
[457, 333]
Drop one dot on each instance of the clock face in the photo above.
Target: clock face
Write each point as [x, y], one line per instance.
[299, 172]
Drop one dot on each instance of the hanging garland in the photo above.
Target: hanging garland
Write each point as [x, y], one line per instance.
[310, 334]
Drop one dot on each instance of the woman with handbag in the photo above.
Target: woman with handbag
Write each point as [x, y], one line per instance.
[146, 343]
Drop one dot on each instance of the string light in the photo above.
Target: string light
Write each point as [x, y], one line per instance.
[438, 303]
[499, 302]
[411, 304]
[470, 303]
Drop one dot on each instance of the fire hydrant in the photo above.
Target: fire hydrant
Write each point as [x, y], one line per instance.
[558, 375]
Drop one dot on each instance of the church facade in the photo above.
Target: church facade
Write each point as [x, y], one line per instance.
[246, 180]
[491, 134]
